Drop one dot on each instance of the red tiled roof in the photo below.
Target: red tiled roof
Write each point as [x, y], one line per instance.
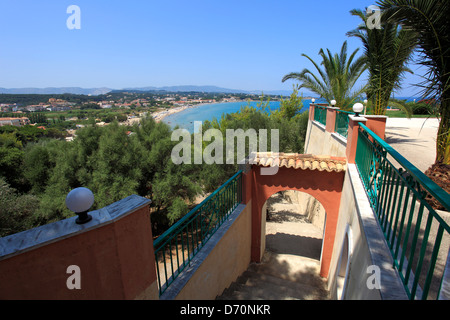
[300, 161]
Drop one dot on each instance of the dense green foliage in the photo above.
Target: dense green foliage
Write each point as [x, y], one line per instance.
[387, 51]
[429, 19]
[37, 172]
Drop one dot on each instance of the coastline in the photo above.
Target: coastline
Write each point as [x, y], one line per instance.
[160, 115]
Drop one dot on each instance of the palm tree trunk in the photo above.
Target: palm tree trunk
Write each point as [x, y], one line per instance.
[379, 102]
[443, 137]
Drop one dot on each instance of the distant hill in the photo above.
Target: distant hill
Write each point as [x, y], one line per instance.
[99, 91]
[186, 88]
[210, 89]
[71, 90]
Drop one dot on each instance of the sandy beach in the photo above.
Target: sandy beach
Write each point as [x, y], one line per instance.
[160, 115]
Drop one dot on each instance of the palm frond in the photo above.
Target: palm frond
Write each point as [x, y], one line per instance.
[386, 51]
[335, 77]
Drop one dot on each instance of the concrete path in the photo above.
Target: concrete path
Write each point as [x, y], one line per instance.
[414, 139]
[290, 267]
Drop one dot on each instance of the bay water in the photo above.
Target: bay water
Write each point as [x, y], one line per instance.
[185, 119]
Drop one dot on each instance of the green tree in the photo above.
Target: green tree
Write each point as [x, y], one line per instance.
[11, 157]
[62, 178]
[116, 170]
[291, 107]
[337, 78]
[16, 210]
[429, 19]
[387, 51]
[36, 167]
[167, 184]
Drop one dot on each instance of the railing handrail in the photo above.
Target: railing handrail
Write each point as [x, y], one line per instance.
[343, 111]
[169, 231]
[437, 192]
[194, 230]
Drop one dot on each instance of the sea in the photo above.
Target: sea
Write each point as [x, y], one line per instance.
[185, 119]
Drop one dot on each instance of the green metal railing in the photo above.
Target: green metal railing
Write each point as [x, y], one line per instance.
[320, 115]
[414, 231]
[341, 124]
[175, 249]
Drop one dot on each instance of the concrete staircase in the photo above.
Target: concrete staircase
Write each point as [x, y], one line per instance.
[279, 277]
[290, 266]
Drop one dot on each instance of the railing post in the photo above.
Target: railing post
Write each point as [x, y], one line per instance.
[445, 284]
[331, 119]
[352, 138]
[312, 108]
[377, 124]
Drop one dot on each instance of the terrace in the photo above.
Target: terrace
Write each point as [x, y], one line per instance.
[377, 222]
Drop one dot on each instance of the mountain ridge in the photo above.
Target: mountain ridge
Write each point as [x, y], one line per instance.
[104, 90]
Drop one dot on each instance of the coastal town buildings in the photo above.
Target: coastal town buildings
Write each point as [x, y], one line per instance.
[17, 122]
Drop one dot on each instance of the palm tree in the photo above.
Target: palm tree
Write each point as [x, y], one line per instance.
[387, 51]
[337, 78]
[430, 19]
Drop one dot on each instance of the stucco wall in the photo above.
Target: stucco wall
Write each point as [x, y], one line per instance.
[220, 262]
[367, 248]
[114, 253]
[308, 206]
[355, 286]
[320, 142]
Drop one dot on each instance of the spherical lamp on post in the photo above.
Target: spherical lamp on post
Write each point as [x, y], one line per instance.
[80, 200]
[358, 108]
[333, 103]
[313, 100]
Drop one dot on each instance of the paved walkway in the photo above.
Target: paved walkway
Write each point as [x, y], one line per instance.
[415, 139]
[290, 266]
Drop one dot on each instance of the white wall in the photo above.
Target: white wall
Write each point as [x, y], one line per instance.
[320, 142]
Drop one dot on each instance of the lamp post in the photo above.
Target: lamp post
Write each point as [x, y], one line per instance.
[80, 200]
[333, 103]
[357, 108]
[313, 100]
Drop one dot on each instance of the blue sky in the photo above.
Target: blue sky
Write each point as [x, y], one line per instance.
[246, 44]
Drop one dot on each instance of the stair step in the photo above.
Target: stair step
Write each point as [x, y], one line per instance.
[277, 287]
[254, 285]
[289, 267]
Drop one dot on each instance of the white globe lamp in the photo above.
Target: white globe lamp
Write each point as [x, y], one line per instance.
[80, 200]
[333, 103]
[358, 108]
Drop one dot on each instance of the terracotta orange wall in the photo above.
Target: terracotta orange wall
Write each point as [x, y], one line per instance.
[116, 262]
[377, 124]
[311, 112]
[352, 140]
[247, 183]
[326, 187]
[331, 120]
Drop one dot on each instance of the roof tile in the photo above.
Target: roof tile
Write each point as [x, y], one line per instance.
[300, 161]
